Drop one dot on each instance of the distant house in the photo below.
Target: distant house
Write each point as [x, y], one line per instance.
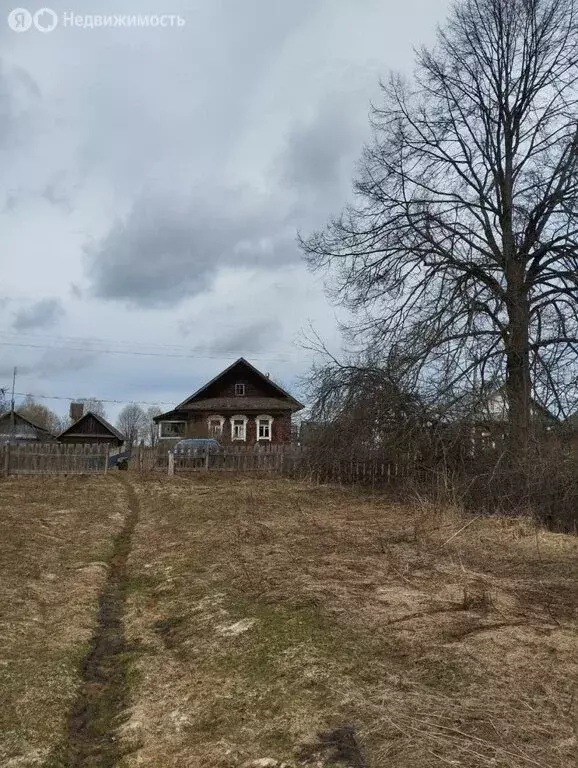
[494, 410]
[240, 405]
[16, 428]
[92, 428]
[488, 423]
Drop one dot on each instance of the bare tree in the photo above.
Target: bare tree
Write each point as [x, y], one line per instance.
[133, 423]
[460, 257]
[42, 415]
[94, 405]
[361, 409]
[152, 431]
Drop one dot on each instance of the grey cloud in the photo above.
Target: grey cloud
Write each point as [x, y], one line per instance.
[7, 371]
[54, 194]
[242, 341]
[165, 251]
[18, 91]
[161, 254]
[42, 314]
[249, 339]
[318, 153]
[52, 363]
[55, 362]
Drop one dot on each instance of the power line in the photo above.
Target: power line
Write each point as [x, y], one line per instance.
[101, 400]
[195, 356]
[92, 340]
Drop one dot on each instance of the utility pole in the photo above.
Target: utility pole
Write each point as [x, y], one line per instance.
[12, 419]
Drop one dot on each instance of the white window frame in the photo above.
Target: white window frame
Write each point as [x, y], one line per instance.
[242, 439]
[221, 420]
[240, 385]
[171, 437]
[269, 420]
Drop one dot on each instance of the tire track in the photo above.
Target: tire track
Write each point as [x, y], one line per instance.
[103, 698]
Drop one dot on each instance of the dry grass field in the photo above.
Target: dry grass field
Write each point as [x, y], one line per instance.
[267, 622]
[270, 612]
[55, 540]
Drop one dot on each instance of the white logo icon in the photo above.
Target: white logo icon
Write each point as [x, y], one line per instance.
[45, 20]
[20, 20]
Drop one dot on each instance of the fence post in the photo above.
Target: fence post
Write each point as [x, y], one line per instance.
[7, 459]
[106, 453]
[207, 460]
[171, 463]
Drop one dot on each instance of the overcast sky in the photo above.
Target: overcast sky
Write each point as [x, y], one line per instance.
[153, 181]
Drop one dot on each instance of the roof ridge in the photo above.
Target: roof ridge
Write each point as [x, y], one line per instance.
[29, 421]
[100, 419]
[230, 367]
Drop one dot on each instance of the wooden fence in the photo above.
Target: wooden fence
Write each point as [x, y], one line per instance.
[53, 459]
[289, 460]
[236, 458]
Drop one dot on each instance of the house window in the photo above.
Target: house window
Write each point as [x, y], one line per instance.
[216, 426]
[239, 428]
[239, 390]
[172, 429]
[264, 427]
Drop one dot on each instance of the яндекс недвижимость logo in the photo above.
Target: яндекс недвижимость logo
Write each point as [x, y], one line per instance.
[46, 20]
[21, 20]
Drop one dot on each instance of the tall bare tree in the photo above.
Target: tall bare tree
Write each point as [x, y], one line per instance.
[133, 423]
[152, 430]
[460, 256]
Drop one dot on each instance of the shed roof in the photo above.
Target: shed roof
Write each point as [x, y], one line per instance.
[113, 431]
[26, 420]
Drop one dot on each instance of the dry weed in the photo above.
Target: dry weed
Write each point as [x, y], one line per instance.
[56, 534]
[441, 639]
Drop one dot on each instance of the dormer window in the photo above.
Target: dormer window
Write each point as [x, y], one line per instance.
[239, 390]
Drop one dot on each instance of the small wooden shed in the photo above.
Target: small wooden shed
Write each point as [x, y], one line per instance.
[92, 428]
[15, 428]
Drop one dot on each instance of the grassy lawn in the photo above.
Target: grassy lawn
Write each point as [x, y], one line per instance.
[269, 612]
[55, 537]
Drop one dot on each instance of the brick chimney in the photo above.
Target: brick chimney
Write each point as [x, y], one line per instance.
[76, 411]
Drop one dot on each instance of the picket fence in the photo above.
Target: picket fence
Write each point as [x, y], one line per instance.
[287, 460]
[53, 459]
[258, 458]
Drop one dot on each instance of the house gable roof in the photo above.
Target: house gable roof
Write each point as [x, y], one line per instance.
[28, 421]
[283, 394]
[113, 431]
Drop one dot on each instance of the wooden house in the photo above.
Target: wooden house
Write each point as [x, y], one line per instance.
[92, 428]
[16, 428]
[240, 405]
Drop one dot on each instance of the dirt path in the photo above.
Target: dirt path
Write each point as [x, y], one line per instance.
[103, 698]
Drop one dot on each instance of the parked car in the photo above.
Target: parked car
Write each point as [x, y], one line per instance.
[198, 447]
[120, 460]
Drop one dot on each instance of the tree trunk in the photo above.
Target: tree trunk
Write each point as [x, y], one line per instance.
[518, 386]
